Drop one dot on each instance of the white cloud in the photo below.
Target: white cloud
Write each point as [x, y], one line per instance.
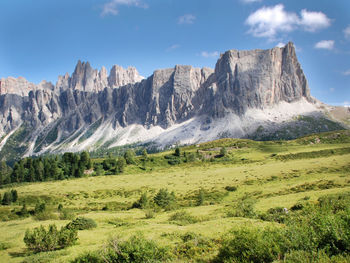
[209, 54]
[313, 21]
[186, 19]
[280, 44]
[346, 73]
[325, 44]
[269, 21]
[111, 7]
[175, 46]
[332, 89]
[250, 1]
[347, 32]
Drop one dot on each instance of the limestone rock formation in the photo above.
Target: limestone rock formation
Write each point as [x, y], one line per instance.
[90, 109]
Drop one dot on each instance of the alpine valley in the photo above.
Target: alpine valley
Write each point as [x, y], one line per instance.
[257, 94]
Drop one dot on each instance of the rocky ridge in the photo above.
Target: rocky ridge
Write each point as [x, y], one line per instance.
[89, 109]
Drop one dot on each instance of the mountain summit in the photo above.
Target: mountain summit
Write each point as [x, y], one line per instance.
[257, 94]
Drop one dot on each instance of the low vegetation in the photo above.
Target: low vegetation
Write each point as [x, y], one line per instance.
[39, 239]
[223, 201]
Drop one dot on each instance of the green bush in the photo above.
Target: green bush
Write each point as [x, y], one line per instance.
[89, 257]
[135, 250]
[142, 203]
[81, 223]
[231, 188]
[276, 214]
[200, 197]
[183, 218]
[164, 199]
[66, 214]
[300, 256]
[194, 247]
[129, 156]
[39, 208]
[39, 239]
[242, 208]
[250, 245]
[7, 198]
[4, 246]
[46, 215]
[150, 214]
[319, 230]
[177, 152]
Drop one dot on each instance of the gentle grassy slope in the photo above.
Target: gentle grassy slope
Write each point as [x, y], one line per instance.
[253, 167]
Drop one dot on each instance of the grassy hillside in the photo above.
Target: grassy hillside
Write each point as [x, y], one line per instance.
[216, 191]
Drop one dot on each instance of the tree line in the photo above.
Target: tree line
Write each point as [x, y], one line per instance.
[45, 168]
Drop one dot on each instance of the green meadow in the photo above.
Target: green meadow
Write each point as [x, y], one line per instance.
[219, 187]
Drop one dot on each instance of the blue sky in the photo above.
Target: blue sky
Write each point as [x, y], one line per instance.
[42, 39]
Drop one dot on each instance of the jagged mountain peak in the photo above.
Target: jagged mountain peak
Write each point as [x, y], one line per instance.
[247, 91]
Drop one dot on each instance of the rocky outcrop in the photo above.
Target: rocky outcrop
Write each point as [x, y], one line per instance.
[85, 78]
[89, 103]
[258, 79]
[119, 76]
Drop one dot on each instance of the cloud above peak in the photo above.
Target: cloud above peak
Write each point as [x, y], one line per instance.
[313, 21]
[325, 44]
[186, 19]
[112, 7]
[269, 21]
[207, 54]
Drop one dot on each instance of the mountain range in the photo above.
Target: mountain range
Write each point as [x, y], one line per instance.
[258, 94]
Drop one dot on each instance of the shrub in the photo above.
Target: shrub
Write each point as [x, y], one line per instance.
[39, 208]
[242, 208]
[297, 206]
[319, 230]
[135, 250]
[46, 215]
[194, 247]
[300, 256]
[14, 196]
[39, 239]
[89, 257]
[129, 156]
[150, 214]
[142, 203]
[174, 161]
[183, 218]
[250, 245]
[200, 197]
[7, 199]
[223, 151]
[66, 214]
[23, 212]
[41, 213]
[81, 223]
[164, 199]
[4, 246]
[277, 214]
[231, 188]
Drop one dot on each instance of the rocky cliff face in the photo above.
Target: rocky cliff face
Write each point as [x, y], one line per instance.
[258, 79]
[90, 109]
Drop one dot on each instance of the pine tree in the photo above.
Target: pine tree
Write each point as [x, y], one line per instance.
[129, 156]
[223, 151]
[120, 165]
[6, 200]
[14, 196]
